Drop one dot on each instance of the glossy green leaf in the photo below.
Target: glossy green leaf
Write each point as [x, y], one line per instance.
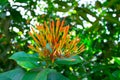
[27, 61]
[116, 74]
[30, 75]
[56, 76]
[4, 78]
[17, 73]
[69, 61]
[3, 2]
[38, 75]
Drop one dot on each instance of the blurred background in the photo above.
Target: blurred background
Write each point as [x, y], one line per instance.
[96, 22]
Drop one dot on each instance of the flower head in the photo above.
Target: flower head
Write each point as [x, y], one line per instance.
[53, 41]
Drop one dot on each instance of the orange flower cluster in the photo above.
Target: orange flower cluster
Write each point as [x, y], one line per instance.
[54, 41]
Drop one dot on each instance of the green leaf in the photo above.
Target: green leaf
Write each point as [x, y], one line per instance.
[14, 13]
[3, 2]
[27, 61]
[38, 75]
[56, 76]
[4, 78]
[17, 73]
[116, 74]
[69, 61]
[112, 19]
[82, 14]
[117, 60]
[43, 74]
[30, 75]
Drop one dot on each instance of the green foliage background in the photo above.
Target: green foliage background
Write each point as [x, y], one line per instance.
[101, 60]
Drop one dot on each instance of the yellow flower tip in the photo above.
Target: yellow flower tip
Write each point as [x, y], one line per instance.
[57, 18]
[32, 29]
[30, 33]
[77, 40]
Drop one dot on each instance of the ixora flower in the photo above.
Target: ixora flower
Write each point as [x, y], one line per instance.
[53, 41]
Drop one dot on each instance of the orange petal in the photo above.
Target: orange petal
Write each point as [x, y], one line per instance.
[52, 57]
[67, 54]
[46, 27]
[82, 48]
[57, 26]
[39, 38]
[65, 32]
[33, 37]
[30, 46]
[40, 27]
[43, 41]
[49, 37]
[52, 24]
[57, 45]
[58, 54]
[58, 23]
[62, 23]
